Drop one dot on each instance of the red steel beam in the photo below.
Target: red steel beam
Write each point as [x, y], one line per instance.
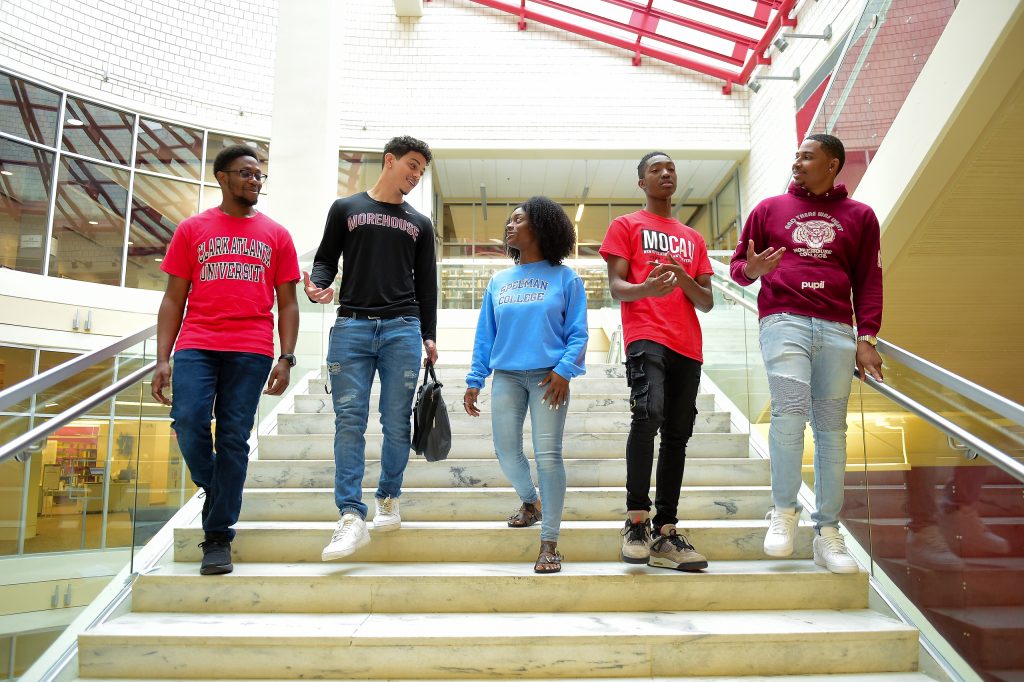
[626, 27]
[525, 13]
[727, 13]
[687, 23]
[781, 17]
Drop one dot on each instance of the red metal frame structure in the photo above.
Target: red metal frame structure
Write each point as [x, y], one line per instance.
[750, 35]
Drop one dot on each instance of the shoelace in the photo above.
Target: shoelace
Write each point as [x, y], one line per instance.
[779, 523]
[345, 527]
[637, 532]
[676, 540]
[387, 506]
[835, 543]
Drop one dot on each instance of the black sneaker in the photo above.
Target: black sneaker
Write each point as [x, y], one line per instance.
[216, 556]
[636, 541]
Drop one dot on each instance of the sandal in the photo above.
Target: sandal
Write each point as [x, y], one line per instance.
[525, 516]
[549, 560]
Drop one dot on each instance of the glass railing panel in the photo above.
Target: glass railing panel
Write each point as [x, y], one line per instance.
[12, 500]
[890, 45]
[946, 530]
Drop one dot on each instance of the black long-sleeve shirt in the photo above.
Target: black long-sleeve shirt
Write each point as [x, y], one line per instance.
[389, 268]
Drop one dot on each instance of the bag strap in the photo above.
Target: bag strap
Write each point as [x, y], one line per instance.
[428, 368]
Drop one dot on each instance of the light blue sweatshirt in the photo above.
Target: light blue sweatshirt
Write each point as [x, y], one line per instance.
[533, 316]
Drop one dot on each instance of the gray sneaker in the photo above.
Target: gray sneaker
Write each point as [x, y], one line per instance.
[636, 540]
[671, 550]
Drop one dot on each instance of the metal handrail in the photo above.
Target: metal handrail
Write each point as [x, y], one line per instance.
[991, 453]
[13, 447]
[26, 389]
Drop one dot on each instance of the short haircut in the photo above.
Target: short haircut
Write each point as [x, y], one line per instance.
[832, 146]
[229, 154]
[402, 145]
[555, 234]
[641, 167]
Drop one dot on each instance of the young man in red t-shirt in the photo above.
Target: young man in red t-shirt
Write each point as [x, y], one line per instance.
[659, 269]
[227, 264]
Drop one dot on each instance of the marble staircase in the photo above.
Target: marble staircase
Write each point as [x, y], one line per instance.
[452, 595]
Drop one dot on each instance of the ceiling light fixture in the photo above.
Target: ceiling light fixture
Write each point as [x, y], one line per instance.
[781, 43]
[825, 35]
[754, 86]
[6, 172]
[94, 222]
[682, 200]
[583, 198]
[74, 122]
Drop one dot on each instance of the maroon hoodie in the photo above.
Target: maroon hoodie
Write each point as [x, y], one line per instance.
[832, 250]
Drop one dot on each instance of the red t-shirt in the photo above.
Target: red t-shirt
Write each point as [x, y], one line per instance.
[670, 320]
[233, 265]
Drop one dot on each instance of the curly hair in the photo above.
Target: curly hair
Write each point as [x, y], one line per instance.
[229, 154]
[402, 145]
[831, 145]
[556, 236]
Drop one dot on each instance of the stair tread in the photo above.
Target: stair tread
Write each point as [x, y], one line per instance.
[859, 677]
[573, 570]
[455, 526]
[223, 628]
[985, 617]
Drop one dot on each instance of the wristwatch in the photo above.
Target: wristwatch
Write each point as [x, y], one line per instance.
[290, 357]
[869, 338]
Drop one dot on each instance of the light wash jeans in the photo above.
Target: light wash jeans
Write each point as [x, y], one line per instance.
[358, 348]
[512, 392]
[810, 364]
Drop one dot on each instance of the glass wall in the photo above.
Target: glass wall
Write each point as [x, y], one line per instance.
[93, 193]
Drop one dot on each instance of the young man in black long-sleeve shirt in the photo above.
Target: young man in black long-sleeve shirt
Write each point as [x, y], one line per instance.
[388, 304]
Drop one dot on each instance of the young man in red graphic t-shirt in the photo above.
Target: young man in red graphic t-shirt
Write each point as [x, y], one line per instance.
[816, 252]
[659, 269]
[227, 264]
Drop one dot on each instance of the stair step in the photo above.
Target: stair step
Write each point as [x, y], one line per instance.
[471, 446]
[580, 402]
[456, 385]
[462, 423]
[858, 677]
[447, 372]
[486, 473]
[496, 587]
[488, 504]
[289, 541]
[991, 634]
[475, 645]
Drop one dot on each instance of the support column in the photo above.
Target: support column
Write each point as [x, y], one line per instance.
[304, 130]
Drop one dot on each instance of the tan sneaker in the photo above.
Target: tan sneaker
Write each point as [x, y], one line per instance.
[636, 538]
[671, 550]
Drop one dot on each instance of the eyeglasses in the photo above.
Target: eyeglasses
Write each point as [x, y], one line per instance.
[247, 174]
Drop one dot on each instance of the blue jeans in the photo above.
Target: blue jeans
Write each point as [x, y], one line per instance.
[810, 364]
[226, 385]
[357, 349]
[512, 392]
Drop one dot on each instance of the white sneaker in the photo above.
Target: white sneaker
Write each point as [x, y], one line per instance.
[350, 535]
[779, 539]
[928, 549]
[830, 551]
[386, 518]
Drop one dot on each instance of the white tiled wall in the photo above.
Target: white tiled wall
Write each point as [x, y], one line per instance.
[201, 61]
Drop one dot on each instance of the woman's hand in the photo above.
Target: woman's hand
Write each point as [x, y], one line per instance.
[558, 390]
[469, 402]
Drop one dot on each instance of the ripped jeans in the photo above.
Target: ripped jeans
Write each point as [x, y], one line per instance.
[810, 364]
[663, 399]
[358, 349]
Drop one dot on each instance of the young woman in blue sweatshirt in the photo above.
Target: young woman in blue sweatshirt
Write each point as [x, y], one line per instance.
[532, 334]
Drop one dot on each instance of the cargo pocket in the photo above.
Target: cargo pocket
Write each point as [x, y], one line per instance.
[639, 386]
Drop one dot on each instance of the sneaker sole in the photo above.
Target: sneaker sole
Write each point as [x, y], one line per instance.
[634, 560]
[841, 570]
[339, 554]
[216, 570]
[778, 553]
[387, 527]
[666, 563]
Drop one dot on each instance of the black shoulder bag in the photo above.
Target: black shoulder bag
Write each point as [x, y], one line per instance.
[432, 433]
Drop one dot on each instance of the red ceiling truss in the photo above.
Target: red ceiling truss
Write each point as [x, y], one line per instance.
[724, 39]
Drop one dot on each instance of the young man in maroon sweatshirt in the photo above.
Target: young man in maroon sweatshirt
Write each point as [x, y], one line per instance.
[817, 254]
